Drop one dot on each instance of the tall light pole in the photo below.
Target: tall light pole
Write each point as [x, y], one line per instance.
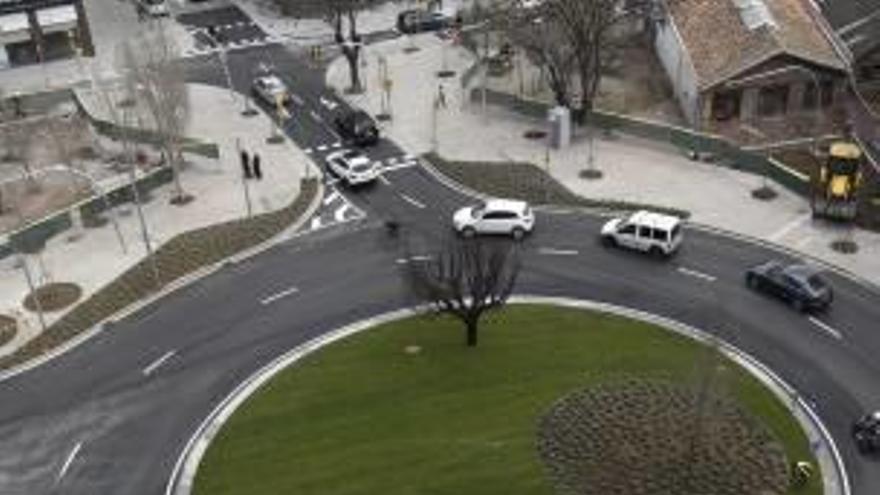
[137, 201]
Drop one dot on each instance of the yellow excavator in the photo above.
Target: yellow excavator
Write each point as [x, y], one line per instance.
[837, 182]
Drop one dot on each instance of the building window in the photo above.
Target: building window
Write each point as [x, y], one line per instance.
[810, 96]
[773, 100]
[725, 105]
[827, 92]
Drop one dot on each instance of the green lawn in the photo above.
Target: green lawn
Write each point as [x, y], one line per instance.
[364, 417]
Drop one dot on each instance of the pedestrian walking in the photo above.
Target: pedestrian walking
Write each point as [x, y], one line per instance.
[246, 164]
[441, 97]
[258, 171]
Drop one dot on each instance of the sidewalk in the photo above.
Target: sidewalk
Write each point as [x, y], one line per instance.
[97, 257]
[634, 169]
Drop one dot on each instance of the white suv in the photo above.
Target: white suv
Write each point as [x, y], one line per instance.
[495, 216]
[352, 166]
[644, 231]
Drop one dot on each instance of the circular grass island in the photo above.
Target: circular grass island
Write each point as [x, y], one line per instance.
[553, 400]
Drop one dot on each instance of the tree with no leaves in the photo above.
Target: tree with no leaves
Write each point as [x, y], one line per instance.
[342, 16]
[569, 37]
[159, 82]
[466, 279]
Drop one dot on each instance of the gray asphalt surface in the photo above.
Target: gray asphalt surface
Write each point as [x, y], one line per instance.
[127, 419]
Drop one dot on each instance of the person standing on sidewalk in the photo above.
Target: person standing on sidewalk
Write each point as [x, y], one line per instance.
[258, 170]
[246, 164]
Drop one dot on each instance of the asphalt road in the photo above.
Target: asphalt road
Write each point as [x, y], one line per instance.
[112, 416]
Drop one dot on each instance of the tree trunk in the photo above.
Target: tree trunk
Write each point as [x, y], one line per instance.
[472, 325]
[352, 55]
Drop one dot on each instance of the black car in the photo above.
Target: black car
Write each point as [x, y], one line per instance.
[866, 433]
[417, 21]
[358, 127]
[800, 285]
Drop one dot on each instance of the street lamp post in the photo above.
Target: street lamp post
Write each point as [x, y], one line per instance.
[137, 202]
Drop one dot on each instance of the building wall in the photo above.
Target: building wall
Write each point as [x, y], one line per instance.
[678, 67]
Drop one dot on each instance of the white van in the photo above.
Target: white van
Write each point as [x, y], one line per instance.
[645, 231]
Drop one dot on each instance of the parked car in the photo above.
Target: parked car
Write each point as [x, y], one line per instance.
[418, 21]
[866, 433]
[800, 285]
[495, 216]
[270, 88]
[352, 166]
[644, 231]
[153, 8]
[358, 128]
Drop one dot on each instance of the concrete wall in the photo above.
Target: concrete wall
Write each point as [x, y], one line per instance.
[678, 67]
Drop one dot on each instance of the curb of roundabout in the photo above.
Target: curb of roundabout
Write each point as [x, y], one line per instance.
[835, 480]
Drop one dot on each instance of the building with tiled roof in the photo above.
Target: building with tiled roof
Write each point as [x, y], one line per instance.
[747, 59]
[34, 31]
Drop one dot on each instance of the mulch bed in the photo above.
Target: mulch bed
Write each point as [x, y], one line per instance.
[53, 297]
[8, 329]
[180, 256]
[657, 438]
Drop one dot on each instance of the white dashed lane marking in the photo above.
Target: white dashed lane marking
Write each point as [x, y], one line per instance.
[158, 362]
[67, 462]
[825, 327]
[696, 274]
[331, 198]
[279, 295]
[412, 201]
[549, 251]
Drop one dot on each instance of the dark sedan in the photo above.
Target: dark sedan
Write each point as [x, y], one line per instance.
[800, 285]
[358, 128]
[417, 21]
[866, 433]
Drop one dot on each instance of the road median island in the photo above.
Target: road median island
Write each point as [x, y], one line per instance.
[405, 406]
[182, 255]
[526, 181]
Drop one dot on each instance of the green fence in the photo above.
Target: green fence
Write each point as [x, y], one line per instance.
[719, 150]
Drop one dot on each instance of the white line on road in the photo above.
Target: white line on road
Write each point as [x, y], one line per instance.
[403, 261]
[322, 148]
[392, 168]
[295, 97]
[412, 201]
[695, 273]
[315, 224]
[68, 461]
[824, 326]
[337, 144]
[331, 198]
[274, 297]
[315, 116]
[384, 180]
[308, 151]
[339, 214]
[557, 252]
[159, 362]
[779, 234]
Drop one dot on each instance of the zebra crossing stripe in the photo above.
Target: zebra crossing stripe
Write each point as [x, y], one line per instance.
[323, 147]
[308, 151]
[332, 197]
[315, 224]
[337, 145]
[339, 214]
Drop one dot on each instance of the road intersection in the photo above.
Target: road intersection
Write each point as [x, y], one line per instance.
[113, 415]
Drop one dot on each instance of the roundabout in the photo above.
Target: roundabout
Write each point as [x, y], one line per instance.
[449, 418]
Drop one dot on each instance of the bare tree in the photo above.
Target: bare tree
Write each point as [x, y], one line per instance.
[18, 142]
[159, 82]
[342, 16]
[466, 279]
[570, 34]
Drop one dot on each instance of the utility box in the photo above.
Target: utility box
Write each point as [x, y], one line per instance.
[560, 127]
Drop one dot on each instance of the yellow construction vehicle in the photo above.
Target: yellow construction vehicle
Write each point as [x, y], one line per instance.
[837, 182]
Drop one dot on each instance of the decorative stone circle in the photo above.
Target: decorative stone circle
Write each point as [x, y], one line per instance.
[640, 437]
[8, 329]
[53, 297]
[764, 193]
[845, 246]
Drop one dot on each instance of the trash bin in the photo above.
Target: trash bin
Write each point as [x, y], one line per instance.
[560, 127]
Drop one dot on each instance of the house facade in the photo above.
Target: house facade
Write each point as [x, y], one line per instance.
[36, 31]
[749, 65]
